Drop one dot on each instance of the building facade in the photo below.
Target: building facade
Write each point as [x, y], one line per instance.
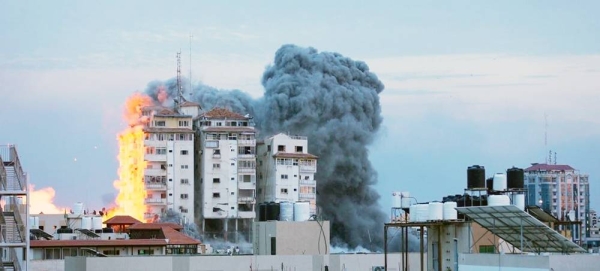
[169, 173]
[225, 174]
[561, 191]
[286, 171]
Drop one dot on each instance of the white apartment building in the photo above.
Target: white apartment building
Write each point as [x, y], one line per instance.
[169, 174]
[225, 192]
[286, 171]
[561, 191]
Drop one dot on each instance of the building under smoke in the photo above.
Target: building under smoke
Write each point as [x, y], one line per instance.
[334, 101]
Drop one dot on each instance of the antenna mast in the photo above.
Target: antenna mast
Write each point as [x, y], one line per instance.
[179, 99]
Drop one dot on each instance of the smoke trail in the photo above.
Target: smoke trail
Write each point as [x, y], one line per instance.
[334, 101]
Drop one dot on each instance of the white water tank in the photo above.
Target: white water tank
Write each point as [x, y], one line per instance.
[436, 211]
[96, 222]
[301, 211]
[78, 208]
[405, 199]
[36, 222]
[86, 223]
[449, 211]
[498, 200]
[499, 182]
[396, 202]
[519, 201]
[412, 213]
[422, 212]
[286, 211]
[31, 222]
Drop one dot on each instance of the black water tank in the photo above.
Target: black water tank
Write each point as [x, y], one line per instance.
[272, 211]
[107, 230]
[262, 212]
[489, 183]
[514, 178]
[476, 177]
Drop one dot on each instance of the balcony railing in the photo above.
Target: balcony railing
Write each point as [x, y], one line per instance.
[246, 155]
[299, 137]
[306, 196]
[156, 201]
[246, 200]
[246, 170]
[308, 182]
[156, 186]
[308, 169]
[247, 142]
[15, 177]
[155, 157]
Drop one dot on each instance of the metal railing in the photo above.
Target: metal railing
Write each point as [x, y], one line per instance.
[308, 182]
[306, 196]
[14, 172]
[15, 259]
[299, 137]
[308, 168]
[246, 142]
[156, 186]
[2, 175]
[156, 201]
[246, 199]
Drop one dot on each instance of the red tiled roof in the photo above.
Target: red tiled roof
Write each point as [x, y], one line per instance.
[228, 129]
[178, 238]
[155, 226]
[98, 243]
[121, 220]
[294, 155]
[222, 113]
[188, 103]
[167, 130]
[546, 167]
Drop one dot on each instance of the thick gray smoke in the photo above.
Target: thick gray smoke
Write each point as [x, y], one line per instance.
[334, 101]
[189, 229]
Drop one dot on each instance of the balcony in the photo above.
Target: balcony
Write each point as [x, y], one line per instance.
[306, 196]
[248, 214]
[251, 142]
[156, 201]
[156, 186]
[246, 185]
[246, 156]
[308, 182]
[246, 200]
[246, 170]
[312, 169]
[155, 157]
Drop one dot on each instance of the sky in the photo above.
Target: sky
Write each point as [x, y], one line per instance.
[498, 84]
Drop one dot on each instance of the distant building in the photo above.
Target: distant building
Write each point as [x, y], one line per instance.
[169, 174]
[561, 191]
[287, 171]
[225, 174]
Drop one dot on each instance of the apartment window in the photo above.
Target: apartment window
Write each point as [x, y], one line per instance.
[281, 148]
[150, 150]
[269, 148]
[184, 196]
[233, 164]
[298, 148]
[184, 210]
[185, 181]
[284, 191]
[184, 166]
[161, 150]
[284, 176]
[184, 123]
[295, 162]
[307, 177]
[216, 195]
[216, 166]
[184, 152]
[219, 123]
[216, 152]
[160, 123]
[216, 180]
[233, 178]
[247, 178]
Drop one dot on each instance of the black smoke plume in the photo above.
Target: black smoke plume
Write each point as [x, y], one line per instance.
[333, 100]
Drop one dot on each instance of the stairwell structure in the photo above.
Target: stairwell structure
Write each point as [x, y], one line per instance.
[14, 237]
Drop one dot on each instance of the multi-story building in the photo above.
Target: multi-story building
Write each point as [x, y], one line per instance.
[286, 171]
[225, 174]
[169, 174]
[561, 191]
[14, 239]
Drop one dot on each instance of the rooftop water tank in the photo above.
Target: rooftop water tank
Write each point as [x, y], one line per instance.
[78, 208]
[412, 213]
[422, 212]
[405, 199]
[262, 211]
[286, 211]
[301, 211]
[96, 222]
[515, 178]
[449, 211]
[272, 211]
[489, 184]
[499, 182]
[519, 201]
[396, 202]
[436, 211]
[475, 177]
[86, 222]
[498, 200]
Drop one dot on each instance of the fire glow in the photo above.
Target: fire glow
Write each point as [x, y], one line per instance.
[132, 191]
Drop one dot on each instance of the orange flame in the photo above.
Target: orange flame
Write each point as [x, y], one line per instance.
[132, 192]
[42, 201]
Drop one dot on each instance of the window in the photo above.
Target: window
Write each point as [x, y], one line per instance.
[216, 166]
[184, 166]
[487, 249]
[216, 180]
[284, 176]
[212, 144]
[184, 152]
[184, 196]
[284, 191]
[281, 148]
[161, 150]
[307, 177]
[268, 148]
[150, 150]
[247, 178]
[159, 123]
[184, 210]
[185, 181]
[217, 152]
[184, 123]
[219, 123]
[298, 148]
[233, 164]
[216, 195]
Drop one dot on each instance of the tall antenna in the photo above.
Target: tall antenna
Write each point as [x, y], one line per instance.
[190, 90]
[179, 99]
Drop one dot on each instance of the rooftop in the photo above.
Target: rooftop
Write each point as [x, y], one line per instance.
[98, 243]
[547, 167]
[121, 220]
[155, 226]
[222, 113]
[178, 238]
[294, 155]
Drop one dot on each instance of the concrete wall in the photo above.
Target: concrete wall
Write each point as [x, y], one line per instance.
[48, 265]
[483, 262]
[292, 238]
[575, 262]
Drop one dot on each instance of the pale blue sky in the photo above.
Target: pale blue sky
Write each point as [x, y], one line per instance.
[467, 82]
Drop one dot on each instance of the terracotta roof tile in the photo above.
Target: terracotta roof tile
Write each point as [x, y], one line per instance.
[294, 155]
[228, 129]
[178, 238]
[121, 220]
[167, 130]
[155, 226]
[546, 167]
[222, 113]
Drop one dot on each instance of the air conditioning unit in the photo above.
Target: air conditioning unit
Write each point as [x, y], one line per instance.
[377, 268]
